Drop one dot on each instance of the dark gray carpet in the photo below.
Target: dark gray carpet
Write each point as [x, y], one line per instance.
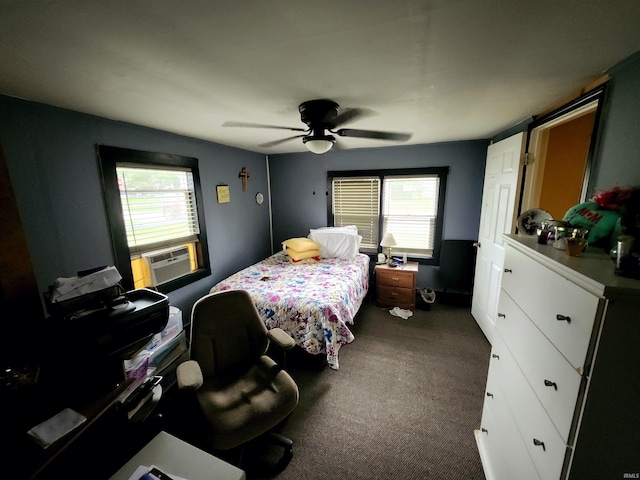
[403, 405]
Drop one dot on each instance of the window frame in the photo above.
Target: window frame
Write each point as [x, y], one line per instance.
[108, 158]
[441, 172]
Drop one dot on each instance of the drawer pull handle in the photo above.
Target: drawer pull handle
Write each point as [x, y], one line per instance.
[495, 355]
[549, 383]
[395, 279]
[561, 318]
[501, 315]
[539, 443]
[508, 270]
[489, 394]
[394, 294]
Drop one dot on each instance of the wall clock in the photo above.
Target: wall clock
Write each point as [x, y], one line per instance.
[259, 198]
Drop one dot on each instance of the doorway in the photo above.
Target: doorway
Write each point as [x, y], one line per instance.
[559, 158]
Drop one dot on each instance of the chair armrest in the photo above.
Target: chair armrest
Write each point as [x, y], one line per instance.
[189, 375]
[281, 338]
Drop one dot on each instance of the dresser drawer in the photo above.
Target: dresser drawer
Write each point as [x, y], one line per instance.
[504, 455]
[395, 295]
[564, 312]
[395, 278]
[554, 381]
[543, 442]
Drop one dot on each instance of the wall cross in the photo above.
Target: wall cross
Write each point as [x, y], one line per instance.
[244, 175]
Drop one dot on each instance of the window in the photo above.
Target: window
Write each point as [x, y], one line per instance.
[153, 204]
[356, 201]
[408, 203]
[409, 211]
[159, 206]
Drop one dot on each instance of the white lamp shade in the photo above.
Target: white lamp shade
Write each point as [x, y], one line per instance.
[319, 146]
[388, 240]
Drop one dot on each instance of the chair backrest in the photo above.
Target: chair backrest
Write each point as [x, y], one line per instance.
[457, 262]
[227, 333]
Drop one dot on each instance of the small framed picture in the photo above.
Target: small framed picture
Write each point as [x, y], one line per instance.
[223, 193]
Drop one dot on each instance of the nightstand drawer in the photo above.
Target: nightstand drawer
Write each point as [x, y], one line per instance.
[395, 295]
[395, 278]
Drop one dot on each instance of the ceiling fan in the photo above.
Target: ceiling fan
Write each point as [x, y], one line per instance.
[322, 116]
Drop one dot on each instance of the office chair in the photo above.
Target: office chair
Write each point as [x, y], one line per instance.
[241, 392]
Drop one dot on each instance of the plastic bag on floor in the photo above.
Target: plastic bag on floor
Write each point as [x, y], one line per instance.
[400, 312]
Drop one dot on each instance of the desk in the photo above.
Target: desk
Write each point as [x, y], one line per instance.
[104, 429]
[174, 456]
[26, 409]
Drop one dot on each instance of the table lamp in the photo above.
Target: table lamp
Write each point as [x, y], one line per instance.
[388, 241]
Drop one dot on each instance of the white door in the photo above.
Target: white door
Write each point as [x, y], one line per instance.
[503, 173]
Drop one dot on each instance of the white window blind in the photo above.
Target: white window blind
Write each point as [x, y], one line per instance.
[356, 201]
[409, 210]
[159, 206]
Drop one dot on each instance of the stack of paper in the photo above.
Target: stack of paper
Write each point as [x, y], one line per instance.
[56, 427]
[68, 288]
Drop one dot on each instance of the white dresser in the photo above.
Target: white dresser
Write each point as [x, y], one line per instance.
[562, 399]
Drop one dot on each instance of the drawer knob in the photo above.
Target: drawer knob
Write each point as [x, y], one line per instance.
[563, 318]
[508, 270]
[539, 443]
[495, 355]
[394, 294]
[395, 279]
[489, 394]
[549, 383]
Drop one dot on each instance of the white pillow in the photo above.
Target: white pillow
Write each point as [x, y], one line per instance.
[345, 228]
[337, 242]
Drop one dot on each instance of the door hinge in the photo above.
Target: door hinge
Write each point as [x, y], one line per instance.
[528, 159]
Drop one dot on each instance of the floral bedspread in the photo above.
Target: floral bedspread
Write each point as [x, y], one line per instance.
[312, 302]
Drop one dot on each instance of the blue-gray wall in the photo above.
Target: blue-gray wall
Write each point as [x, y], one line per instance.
[299, 186]
[618, 155]
[52, 162]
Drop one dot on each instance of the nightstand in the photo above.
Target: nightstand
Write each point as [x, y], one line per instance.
[396, 287]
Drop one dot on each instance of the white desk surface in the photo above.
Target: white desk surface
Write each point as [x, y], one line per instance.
[174, 456]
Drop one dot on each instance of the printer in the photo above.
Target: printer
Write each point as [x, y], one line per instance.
[93, 331]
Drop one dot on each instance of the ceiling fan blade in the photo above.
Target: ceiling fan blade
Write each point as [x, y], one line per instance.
[349, 115]
[260, 125]
[278, 142]
[350, 132]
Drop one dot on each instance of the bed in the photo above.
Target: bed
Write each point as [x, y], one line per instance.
[313, 300]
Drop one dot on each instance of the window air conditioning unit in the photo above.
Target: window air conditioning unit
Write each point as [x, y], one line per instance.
[165, 265]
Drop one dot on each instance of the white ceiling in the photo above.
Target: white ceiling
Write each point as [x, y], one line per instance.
[443, 70]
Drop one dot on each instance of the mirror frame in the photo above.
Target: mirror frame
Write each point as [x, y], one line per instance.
[531, 181]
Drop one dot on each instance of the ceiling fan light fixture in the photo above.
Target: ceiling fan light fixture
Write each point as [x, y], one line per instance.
[319, 145]
[321, 116]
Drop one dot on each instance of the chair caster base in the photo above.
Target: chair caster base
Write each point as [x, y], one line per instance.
[281, 440]
[268, 466]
